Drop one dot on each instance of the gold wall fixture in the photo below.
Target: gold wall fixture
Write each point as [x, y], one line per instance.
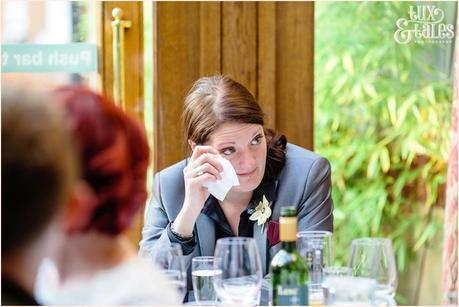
[118, 27]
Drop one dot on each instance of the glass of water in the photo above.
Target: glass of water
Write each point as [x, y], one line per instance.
[203, 273]
[317, 248]
[238, 260]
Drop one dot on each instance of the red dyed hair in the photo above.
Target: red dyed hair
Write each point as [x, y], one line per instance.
[114, 153]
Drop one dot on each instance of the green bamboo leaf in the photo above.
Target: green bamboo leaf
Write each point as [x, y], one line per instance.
[389, 138]
[402, 228]
[417, 114]
[379, 212]
[338, 214]
[404, 150]
[385, 159]
[433, 117]
[430, 94]
[404, 76]
[339, 84]
[426, 170]
[391, 106]
[366, 60]
[410, 158]
[394, 210]
[373, 165]
[401, 256]
[335, 124]
[401, 113]
[347, 63]
[331, 64]
[357, 93]
[370, 90]
[432, 194]
[400, 183]
[426, 235]
[406, 53]
[356, 163]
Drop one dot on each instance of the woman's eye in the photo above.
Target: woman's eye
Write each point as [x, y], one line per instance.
[228, 151]
[257, 140]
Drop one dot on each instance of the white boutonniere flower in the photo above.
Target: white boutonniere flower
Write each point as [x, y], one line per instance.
[262, 213]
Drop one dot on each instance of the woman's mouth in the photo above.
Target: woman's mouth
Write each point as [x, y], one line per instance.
[247, 174]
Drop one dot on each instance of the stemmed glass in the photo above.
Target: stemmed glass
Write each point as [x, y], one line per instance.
[345, 290]
[374, 258]
[239, 261]
[169, 258]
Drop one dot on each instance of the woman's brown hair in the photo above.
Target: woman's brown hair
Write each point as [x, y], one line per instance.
[215, 100]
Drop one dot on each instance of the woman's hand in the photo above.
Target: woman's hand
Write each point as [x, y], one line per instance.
[203, 167]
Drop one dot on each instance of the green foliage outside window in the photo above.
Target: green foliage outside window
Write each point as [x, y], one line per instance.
[382, 118]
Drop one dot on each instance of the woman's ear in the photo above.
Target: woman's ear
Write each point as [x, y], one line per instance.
[79, 210]
[192, 144]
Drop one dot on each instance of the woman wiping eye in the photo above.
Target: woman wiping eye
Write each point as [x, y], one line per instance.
[222, 118]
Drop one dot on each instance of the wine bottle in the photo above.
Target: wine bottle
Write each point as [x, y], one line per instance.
[289, 271]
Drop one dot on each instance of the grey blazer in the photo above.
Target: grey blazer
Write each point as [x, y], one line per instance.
[304, 182]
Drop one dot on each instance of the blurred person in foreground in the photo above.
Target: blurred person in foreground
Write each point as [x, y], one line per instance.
[98, 264]
[39, 169]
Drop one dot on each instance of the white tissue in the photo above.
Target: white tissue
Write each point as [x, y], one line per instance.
[221, 187]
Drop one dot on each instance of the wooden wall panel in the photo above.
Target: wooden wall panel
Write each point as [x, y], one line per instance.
[266, 68]
[210, 40]
[178, 52]
[239, 45]
[295, 71]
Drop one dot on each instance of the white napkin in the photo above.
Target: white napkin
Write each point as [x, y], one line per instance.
[221, 187]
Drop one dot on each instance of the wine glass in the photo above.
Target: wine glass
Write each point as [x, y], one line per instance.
[348, 290]
[336, 271]
[317, 248]
[374, 258]
[240, 280]
[169, 258]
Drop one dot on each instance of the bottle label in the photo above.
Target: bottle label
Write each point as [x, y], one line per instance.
[287, 229]
[292, 295]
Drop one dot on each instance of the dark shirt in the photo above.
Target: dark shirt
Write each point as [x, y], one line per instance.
[268, 188]
[13, 294]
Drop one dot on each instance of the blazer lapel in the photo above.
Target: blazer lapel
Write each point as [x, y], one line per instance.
[261, 239]
[269, 189]
[206, 235]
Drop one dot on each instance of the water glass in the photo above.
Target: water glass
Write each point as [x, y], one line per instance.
[317, 248]
[169, 258]
[240, 280]
[203, 275]
[374, 258]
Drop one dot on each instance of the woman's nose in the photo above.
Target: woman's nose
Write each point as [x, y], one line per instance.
[247, 162]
